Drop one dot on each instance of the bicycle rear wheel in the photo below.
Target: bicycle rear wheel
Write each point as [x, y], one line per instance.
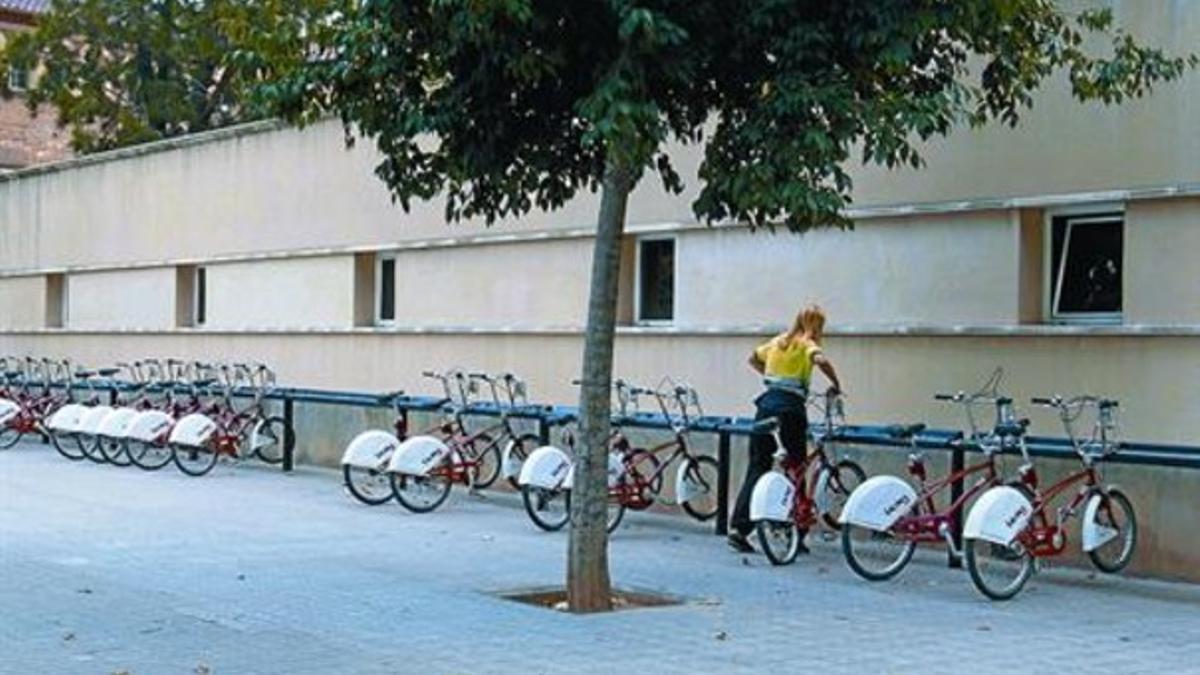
[420, 494]
[194, 460]
[90, 447]
[548, 508]
[701, 475]
[369, 486]
[67, 447]
[113, 450]
[780, 541]
[999, 571]
[9, 437]
[147, 455]
[875, 555]
[1116, 516]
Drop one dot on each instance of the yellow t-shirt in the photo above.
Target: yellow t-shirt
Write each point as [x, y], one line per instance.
[792, 360]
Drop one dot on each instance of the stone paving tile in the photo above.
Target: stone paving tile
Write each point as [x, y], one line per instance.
[107, 570]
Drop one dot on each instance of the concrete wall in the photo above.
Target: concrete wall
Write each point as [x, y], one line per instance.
[127, 299]
[1162, 262]
[308, 292]
[936, 269]
[22, 302]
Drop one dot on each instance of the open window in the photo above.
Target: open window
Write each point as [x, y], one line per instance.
[191, 296]
[1086, 267]
[56, 300]
[655, 283]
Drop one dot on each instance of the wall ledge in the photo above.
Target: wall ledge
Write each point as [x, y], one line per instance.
[747, 330]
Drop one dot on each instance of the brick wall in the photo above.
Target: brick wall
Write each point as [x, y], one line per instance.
[26, 140]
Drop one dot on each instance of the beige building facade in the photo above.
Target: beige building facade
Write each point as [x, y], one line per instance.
[1064, 250]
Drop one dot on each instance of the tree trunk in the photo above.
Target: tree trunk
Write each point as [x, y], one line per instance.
[588, 585]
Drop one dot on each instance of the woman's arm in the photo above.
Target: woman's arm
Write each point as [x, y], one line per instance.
[826, 367]
[757, 363]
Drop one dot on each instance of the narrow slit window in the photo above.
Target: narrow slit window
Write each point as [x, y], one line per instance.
[201, 303]
[1087, 267]
[656, 280]
[386, 280]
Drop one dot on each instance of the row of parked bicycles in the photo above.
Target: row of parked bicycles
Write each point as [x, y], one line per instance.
[418, 470]
[154, 412]
[1012, 521]
[146, 413]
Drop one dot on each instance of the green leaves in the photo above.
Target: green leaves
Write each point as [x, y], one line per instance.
[507, 105]
[121, 72]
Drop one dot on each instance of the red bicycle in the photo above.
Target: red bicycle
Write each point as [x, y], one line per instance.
[28, 398]
[788, 502]
[1011, 527]
[886, 518]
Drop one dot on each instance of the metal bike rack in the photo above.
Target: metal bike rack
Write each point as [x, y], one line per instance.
[549, 416]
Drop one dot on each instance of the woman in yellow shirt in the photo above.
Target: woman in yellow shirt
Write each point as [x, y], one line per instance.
[786, 363]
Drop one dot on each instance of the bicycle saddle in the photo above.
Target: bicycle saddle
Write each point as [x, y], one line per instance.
[1016, 428]
[391, 395]
[904, 430]
[84, 374]
[108, 372]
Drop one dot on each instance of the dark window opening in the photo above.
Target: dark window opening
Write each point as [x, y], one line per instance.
[201, 295]
[387, 289]
[656, 275]
[1087, 265]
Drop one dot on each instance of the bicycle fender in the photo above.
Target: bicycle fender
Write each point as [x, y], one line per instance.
[150, 426]
[91, 420]
[418, 456]
[548, 468]
[65, 420]
[116, 423]
[510, 464]
[686, 486]
[1095, 535]
[193, 430]
[878, 503]
[998, 516]
[371, 449]
[8, 410]
[773, 498]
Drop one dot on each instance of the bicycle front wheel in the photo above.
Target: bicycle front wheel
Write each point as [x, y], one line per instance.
[548, 508]
[999, 571]
[700, 478]
[780, 541]
[875, 555]
[485, 453]
[1116, 519]
[194, 460]
[420, 494]
[845, 478]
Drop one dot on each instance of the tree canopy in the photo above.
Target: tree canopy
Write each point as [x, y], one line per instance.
[527, 99]
[121, 72]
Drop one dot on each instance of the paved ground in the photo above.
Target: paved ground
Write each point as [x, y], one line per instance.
[106, 570]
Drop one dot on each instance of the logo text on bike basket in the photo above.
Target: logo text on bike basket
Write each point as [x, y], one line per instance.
[1016, 516]
[902, 501]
